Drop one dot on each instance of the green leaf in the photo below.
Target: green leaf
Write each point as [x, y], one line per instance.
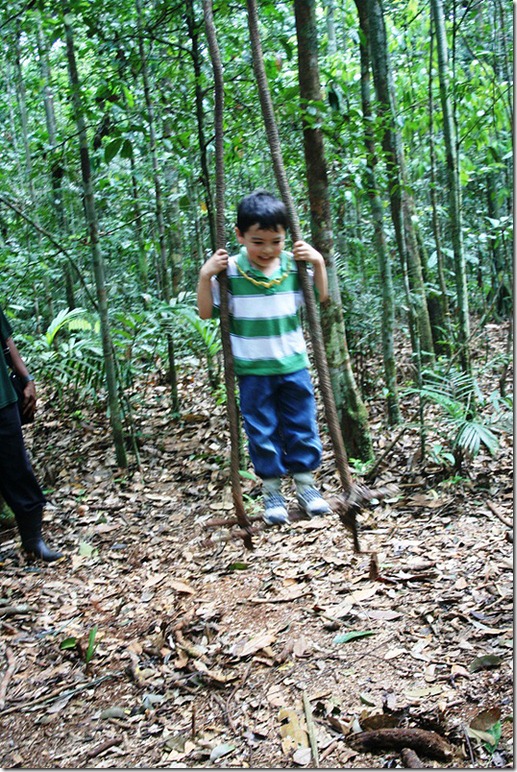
[247, 475]
[346, 637]
[127, 149]
[86, 550]
[91, 644]
[68, 643]
[485, 662]
[112, 148]
[237, 566]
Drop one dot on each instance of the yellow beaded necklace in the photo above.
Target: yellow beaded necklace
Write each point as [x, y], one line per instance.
[263, 284]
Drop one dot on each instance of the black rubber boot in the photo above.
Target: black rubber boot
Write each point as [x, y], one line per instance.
[32, 540]
[38, 549]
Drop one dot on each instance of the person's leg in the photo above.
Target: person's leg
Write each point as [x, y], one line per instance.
[303, 449]
[257, 404]
[19, 486]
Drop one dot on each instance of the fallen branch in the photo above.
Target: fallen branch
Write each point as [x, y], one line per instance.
[419, 740]
[61, 693]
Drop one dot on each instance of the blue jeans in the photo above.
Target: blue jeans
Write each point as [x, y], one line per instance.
[279, 415]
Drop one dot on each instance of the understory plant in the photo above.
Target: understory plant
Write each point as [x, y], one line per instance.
[469, 420]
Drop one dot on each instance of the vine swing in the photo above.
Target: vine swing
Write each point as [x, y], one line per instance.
[354, 496]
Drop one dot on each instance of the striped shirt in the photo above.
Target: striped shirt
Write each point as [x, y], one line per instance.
[265, 328]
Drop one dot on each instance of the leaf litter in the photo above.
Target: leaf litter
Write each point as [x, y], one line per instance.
[300, 652]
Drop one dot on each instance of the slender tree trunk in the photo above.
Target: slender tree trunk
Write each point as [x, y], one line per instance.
[93, 232]
[56, 166]
[24, 119]
[330, 7]
[233, 413]
[352, 413]
[193, 28]
[441, 337]
[158, 201]
[402, 208]
[454, 186]
[381, 248]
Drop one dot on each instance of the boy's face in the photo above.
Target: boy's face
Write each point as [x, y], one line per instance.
[263, 246]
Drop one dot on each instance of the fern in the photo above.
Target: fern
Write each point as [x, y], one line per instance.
[464, 429]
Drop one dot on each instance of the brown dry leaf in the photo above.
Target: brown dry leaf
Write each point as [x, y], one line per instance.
[277, 696]
[427, 502]
[180, 586]
[292, 730]
[287, 594]
[252, 645]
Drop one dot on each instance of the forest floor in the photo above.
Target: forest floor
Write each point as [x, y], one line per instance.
[160, 641]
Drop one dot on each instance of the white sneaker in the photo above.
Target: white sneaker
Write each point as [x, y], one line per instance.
[313, 503]
[275, 512]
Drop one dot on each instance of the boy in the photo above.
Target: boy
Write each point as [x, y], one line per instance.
[270, 358]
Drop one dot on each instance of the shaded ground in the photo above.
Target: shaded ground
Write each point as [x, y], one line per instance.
[205, 654]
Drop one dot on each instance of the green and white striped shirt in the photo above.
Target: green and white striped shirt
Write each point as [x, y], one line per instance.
[265, 328]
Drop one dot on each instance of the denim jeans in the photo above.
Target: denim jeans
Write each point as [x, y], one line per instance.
[279, 415]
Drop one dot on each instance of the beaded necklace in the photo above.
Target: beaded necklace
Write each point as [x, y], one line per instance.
[263, 284]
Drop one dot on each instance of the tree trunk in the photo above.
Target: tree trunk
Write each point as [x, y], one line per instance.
[402, 208]
[200, 119]
[158, 202]
[454, 191]
[381, 249]
[233, 412]
[56, 167]
[24, 120]
[352, 413]
[97, 258]
[442, 338]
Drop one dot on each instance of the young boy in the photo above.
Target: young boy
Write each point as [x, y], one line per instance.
[270, 358]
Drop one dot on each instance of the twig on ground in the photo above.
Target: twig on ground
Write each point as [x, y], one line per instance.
[501, 517]
[310, 729]
[103, 747]
[11, 667]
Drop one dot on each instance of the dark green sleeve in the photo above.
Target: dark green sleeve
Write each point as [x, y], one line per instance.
[5, 328]
[7, 392]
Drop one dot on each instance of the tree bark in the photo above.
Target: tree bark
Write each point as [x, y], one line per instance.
[158, 202]
[231, 399]
[353, 417]
[381, 248]
[93, 233]
[56, 166]
[402, 207]
[454, 186]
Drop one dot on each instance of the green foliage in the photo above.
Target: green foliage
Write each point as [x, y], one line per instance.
[468, 420]
[74, 643]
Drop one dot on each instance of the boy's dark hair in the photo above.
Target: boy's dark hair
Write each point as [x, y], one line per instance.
[263, 209]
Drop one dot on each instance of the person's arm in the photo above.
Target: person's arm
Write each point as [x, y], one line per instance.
[304, 251]
[214, 265]
[20, 368]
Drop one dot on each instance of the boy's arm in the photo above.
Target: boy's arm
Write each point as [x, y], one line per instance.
[214, 265]
[304, 251]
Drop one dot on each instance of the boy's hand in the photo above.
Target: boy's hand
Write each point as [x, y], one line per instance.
[215, 264]
[304, 251]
